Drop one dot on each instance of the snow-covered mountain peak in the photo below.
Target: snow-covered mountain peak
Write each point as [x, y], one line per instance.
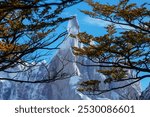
[73, 29]
[63, 66]
[73, 26]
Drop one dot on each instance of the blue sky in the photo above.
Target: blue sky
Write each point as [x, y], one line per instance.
[93, 26]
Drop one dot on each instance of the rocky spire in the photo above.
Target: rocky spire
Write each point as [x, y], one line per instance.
[73, 26]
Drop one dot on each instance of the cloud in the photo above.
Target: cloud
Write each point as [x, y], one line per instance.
[102, 23]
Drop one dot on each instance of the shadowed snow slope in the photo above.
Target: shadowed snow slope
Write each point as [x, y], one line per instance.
[72, 74]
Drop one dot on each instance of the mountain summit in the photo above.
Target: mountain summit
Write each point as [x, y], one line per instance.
[69, 75]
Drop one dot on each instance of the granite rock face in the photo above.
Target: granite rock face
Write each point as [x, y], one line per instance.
[63, 64]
